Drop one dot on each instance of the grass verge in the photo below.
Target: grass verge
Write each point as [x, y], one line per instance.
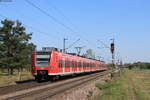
[131, 85]
[11, 79]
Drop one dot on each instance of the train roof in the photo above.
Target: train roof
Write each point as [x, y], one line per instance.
[50, 49]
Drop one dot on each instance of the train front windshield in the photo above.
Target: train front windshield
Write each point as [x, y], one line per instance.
[42, 58]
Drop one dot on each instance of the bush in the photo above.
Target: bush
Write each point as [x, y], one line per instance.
[107, 85]
[102, 85]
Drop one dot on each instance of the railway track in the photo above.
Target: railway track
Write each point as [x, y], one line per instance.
[50, 90]
[14, 88]
[27, 85]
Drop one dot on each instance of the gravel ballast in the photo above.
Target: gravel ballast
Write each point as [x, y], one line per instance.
[83, 92]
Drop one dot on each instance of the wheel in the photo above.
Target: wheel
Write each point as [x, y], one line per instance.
[38, 79]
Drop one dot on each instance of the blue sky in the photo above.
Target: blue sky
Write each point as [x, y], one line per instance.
[128, 21]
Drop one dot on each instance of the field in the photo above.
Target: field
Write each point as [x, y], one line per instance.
[131, 85]
[6, 79]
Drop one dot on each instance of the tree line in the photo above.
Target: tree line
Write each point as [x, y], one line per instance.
[15, 46]
[140, 65]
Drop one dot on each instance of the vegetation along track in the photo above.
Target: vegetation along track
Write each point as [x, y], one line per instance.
[47, 91]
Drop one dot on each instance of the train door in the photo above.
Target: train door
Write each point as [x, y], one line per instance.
[56, 63]
[77, 65]
[67, 68]
[70, 64]
[63, 65]
[82, 66]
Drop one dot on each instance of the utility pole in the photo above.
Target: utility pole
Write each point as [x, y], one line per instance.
[64, 45]
[112, 49]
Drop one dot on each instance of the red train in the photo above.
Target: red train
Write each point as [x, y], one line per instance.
[49, 64]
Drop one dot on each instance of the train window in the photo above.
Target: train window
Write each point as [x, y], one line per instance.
[63, 63]
[75, 64]
[42, 53]
[79, 64]
[56, 58]
[42, 59]
[60, 63]
[66, 63]
[90, 64]
[83, 64]
[70, 64]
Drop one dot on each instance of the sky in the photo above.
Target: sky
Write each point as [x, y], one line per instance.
[94, 22]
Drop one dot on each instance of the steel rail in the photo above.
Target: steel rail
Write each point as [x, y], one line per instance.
[75, 82]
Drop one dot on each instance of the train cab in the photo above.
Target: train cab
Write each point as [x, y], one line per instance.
[41, 64]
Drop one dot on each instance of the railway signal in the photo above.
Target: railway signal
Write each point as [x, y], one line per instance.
[112, 49]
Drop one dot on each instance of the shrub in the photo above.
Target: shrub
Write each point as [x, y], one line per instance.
[102, 85]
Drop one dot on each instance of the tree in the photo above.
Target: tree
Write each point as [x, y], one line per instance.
[14, 45]
[90, 54]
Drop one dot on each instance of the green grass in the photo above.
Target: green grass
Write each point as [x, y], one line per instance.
[102, 85]
[131, 85]
[106, 85]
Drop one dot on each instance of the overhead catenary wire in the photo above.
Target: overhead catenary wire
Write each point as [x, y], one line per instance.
[66, 18]
[57, 21]
[33, 28]
[105, 46]
[73, 43]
